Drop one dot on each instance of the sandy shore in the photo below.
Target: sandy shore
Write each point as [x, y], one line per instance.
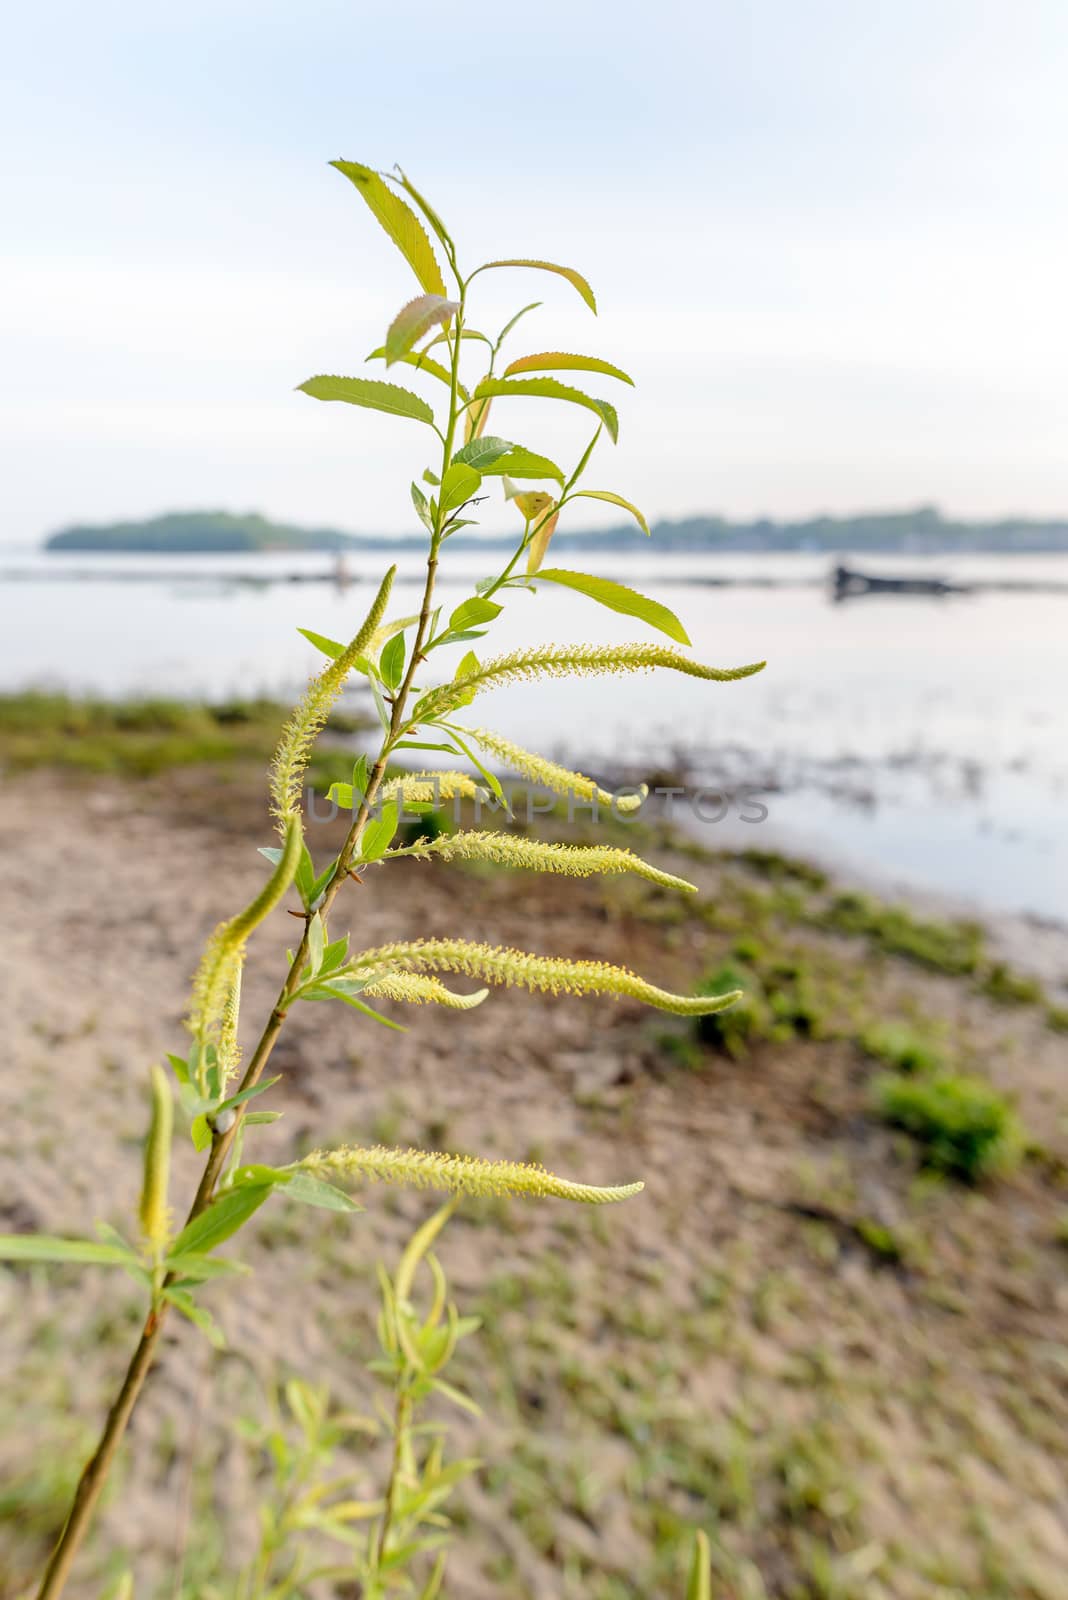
[736, 1349]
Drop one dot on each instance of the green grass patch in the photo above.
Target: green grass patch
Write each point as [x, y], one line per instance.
[1011, 988]
[143, 737]
[952, 947]
[902, 1048]
[963, 1126]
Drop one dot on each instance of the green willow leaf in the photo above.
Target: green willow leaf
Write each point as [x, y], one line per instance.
[459, 484]
[429, 213]
[199, 1316]
[617, 597]
[520, 463]
[471, 613]
[468, 333]
[399, 221]
[316, 1192]
[391, 664]
[414, 321]
[482, 453]
[44, 1247]
[613, 500]
[569, 273]
[510, 324]
[563, 361]
[369, 392]
[227, 1212]
[329, 647]
[376, 836]
[334, 991]
[422, 363]
[549, 389]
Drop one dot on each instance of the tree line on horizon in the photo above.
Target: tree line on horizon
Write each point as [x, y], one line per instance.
[920, 530]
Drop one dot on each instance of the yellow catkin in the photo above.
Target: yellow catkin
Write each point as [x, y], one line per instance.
[430, 1169]
[418, 988]
[155, 1220]
[560, 661]
[228, 1047]
[220, 965]
[550, 775]
[532, 855]
[428, 788]
[309, 717]
[550, 974]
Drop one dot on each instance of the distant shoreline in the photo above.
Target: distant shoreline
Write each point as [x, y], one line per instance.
[919, 532]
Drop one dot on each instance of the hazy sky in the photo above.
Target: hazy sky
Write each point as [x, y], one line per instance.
[828, 239]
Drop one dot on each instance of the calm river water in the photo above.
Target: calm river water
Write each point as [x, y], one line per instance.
[915, 739]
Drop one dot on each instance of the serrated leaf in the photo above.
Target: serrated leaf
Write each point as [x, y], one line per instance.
[314, 1192]
[422, 363]
[427, 209]
[470, 613]
[44, 1247]
[399, 222]
[482, 453]
[520, 463]
[614, 500]
[226, 1213]
[391, 663]
[618, 597]
[414, 321]
[371, 393]
[564, 361]
[569, 273]
[549, 389]
[459, 484]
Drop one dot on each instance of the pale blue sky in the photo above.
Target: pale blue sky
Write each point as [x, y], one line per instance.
[828, 238]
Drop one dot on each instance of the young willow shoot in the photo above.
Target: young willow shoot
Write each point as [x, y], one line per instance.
[434, 339]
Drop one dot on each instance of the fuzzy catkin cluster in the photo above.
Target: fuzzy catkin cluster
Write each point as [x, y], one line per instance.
[430, 1169]
[418, 988]
[561, 661]
[309, 718]
[573, 860]
[550, 974]
[216, 985]
[550, 775]
[428, 788]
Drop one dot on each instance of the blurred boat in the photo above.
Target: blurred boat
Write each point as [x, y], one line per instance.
[849, 584]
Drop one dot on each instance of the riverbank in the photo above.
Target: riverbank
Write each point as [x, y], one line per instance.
[807, 1335]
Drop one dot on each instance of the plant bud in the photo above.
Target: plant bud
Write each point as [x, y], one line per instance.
[153, 1210]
